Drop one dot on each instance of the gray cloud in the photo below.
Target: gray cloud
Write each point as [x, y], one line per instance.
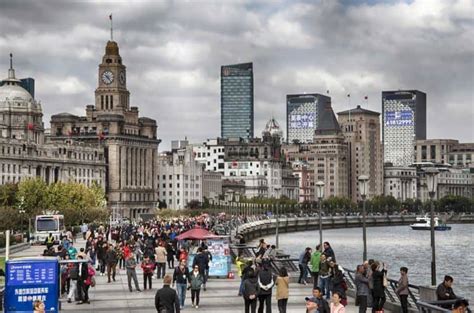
[174, 49]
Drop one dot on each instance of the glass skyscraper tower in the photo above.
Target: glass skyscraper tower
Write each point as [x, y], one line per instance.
[404, 122]
[237, 101]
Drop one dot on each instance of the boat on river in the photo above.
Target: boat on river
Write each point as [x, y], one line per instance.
[424, 223]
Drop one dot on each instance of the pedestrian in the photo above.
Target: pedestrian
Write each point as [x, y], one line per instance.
[250, 291]
[444, 291]
[49, 241]
[166, 298]
[329, 252]
[73, 275]
[322, 304]
[196, 280]
[315, 262]
[83, 273]
[160, 258]
[170, 255]
[148, 268]
[130, 265]
[202, 261]
[338, 283]
[89, 282]
[402, 289]
[336, 305]
[362, 288]
[378, 276]
[324, 276]
[304, 258]
[181, 278]
[111, 262]
[282, 291]
[38, 306]
[265, 283]
[84, 229]
[72, 251]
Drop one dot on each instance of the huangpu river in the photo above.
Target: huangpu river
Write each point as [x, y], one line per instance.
[398, 246]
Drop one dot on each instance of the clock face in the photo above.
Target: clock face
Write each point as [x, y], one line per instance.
[122, 77]
[107, 77]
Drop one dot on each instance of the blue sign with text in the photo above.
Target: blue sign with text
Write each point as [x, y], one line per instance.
[31, 279]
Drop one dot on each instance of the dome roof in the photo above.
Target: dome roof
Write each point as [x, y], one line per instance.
[273, 128]
[14, 92]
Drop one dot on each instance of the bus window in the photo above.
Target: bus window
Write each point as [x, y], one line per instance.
[46, 225]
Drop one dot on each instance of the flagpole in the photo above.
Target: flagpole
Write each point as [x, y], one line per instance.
[111, 28]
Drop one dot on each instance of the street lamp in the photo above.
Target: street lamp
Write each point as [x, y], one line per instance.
[432, 184]
[320, 194]
[363, 184]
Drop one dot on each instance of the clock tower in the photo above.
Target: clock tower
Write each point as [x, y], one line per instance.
[111, 94]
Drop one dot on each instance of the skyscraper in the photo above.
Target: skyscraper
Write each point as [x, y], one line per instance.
[404, 122]
[302, 112]
[237, 101]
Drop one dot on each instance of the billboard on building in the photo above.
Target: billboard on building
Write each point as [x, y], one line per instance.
[302, 120]
[399, 118]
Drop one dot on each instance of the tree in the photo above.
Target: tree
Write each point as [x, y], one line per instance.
[456, 204]
[33, 193]
[7, 194]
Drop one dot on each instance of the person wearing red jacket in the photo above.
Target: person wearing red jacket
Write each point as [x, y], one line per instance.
[148, 267]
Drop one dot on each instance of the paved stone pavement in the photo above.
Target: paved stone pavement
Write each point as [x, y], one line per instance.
[220, 297]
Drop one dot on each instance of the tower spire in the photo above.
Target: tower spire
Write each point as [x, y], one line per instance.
[11, 71]
[111, 28]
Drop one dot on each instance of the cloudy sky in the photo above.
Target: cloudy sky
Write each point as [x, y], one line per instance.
[174, 49]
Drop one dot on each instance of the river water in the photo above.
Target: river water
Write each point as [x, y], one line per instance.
[398, 246]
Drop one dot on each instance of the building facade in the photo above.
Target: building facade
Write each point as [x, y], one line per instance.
[462, 155]
[237, 107]
[26, 153]
[130, 141]
[361, 129]
[433, 150]
[211, 185]
[403, 122]
[400, 182]
[211, 155]
[302, 112]
[180, 178]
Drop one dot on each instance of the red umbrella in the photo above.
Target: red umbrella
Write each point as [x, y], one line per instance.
[196, 234]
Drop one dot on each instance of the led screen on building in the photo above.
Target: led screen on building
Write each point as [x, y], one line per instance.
[399, 118]
[301, 121]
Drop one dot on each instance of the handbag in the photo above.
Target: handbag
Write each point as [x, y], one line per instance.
[385, 280]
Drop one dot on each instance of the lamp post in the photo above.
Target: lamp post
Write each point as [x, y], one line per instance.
[320, 194]
[432, 183]
[363, 182]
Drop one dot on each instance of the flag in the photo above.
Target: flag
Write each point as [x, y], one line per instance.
[327, 91]
[110, 17]
[366, 97]
[348, 95]
[101, 136]
[31, 126]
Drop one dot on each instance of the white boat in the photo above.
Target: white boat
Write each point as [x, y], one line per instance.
[424, 223]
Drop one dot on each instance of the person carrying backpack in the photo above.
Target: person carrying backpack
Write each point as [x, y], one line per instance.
[250, 291]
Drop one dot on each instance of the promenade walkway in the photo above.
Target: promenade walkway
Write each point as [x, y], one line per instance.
[220, 297]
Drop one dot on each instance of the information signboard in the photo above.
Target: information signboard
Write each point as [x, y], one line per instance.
[301, 121]
[30, 279]
[221, 260]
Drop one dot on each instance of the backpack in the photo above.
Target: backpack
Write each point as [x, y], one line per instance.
[74, 273]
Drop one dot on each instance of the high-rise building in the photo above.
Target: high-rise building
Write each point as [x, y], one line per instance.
[302, 112]
[237, 101]
[130, 141]
[404, 122]
[361, 129]
[29, 85]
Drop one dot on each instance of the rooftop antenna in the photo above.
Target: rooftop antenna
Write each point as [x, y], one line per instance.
[11, 71]
[11, 60]
[111, 28]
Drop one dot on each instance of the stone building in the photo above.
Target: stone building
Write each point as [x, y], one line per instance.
[130, 142]
[26, 153]
[400, 182]
[211, 185]
[433, 150]
[361, 129]
[180, 178]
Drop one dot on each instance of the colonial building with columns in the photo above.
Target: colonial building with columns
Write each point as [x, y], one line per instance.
[130, 142]
[25, 151]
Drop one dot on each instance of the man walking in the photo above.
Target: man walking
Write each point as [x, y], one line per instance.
[130, 265]
[266, 283]
[166, 299]
[111, 261]
[362, 286]
[181, 277]
[201, 259]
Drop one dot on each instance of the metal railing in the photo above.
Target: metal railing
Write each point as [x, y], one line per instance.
[444, 306]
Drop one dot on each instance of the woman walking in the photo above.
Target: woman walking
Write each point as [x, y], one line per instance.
[250, 291]
[378, 275]
[282, 291]
[196, 280]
